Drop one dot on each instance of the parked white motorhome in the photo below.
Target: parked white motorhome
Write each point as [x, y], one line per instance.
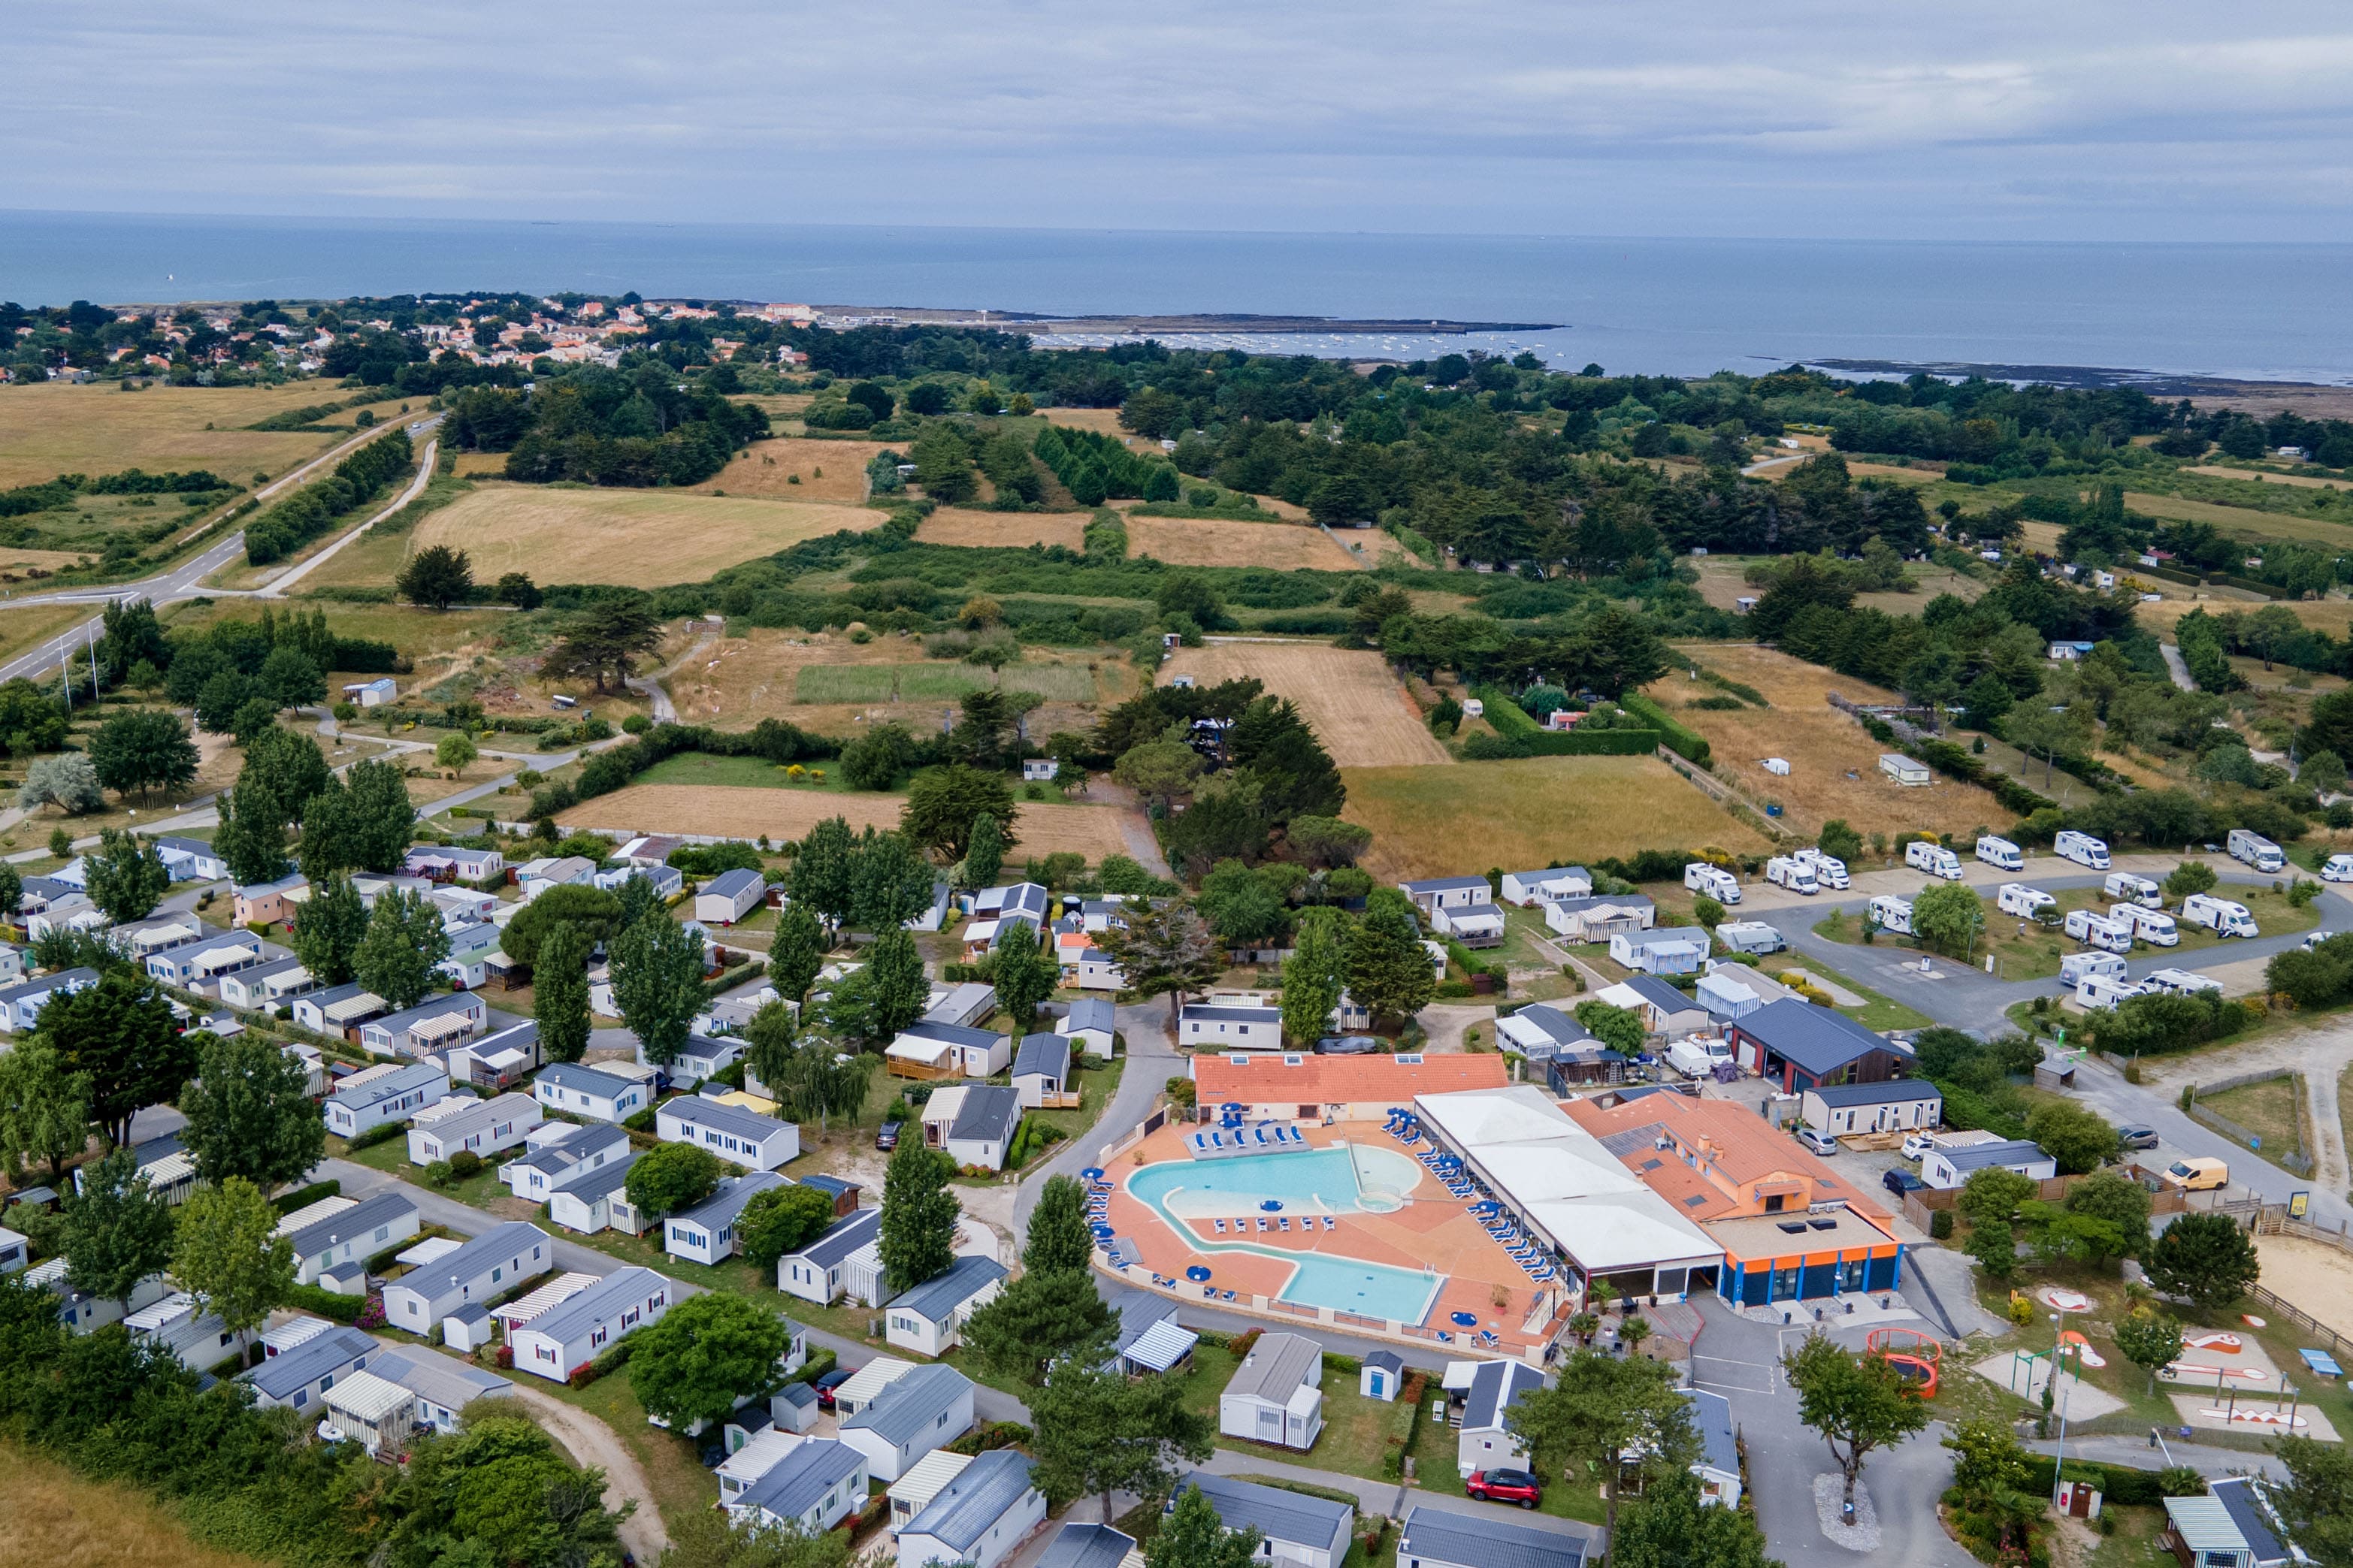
[1697, 1056]
[2124, 888]
[2000, 852]
[1789, 871]
[1927, 855]
[2245, 843]
[2095, 930]
[2082, 848]
[1831, 871]
[1713, 880]
[1889, 912]
[2154, 927]
[2017, 898]
[2339, 869]
[2221, 915]
[2182, 982]
[2078, 967]
[2106, 991]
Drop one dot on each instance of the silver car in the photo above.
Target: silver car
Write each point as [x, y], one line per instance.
[1818, 1142]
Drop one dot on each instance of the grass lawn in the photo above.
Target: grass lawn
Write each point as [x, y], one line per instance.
[1097, 1081]
[2034, 952]
[672, 1464]
[2134, 1543]
[2272, 1111]
[703, 768]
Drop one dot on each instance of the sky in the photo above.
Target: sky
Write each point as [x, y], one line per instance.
[2088, 119]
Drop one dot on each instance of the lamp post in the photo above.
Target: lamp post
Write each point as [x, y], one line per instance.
[2059, 1464]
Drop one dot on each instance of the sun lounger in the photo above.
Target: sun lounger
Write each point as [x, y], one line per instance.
[1262, 1222]
[1330, 1222]
[1284, 1223]
[1225, 1295]
[1220, 1225]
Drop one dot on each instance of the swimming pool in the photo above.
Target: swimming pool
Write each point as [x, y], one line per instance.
[1339, 1180]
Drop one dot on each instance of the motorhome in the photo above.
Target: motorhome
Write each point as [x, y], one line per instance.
[2338, 868]
[2154, 927]
[1788, 872]
[2001, 853]
[1927, 855]
[1889, 912]
[2017, 898]
[1831, 871]
[2106, 991]
[1713, 880]
[1697, 1056]
[2124, 888]
[2182, 982]
[2245, 843]
[2082, 848]
[2078, 967]
[2095, 930]
[2221, 916]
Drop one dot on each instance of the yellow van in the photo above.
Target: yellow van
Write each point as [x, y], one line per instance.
[2198, 1173]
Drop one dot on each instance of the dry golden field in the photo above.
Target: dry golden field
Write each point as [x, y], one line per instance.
[1102, 421]
[1004, 530]
[55, 429]
[645, 539]
[1349, 699]
[2310, 481]
[2241, 521]
[56, 1518]
[747, 812]
[769, 467]
[1224, 541]
[479, 465]
[1458, 821]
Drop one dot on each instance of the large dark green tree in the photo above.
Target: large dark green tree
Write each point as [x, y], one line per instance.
[919, 1217]
[126, 878]
[143, 750]
[328, 929]
[1389, 969]
[118, 1034]
[942, 802]
[560, 993]
[658, 984]
[406, 942]
[117, 1231]
[2205, 1257]
[250, 1115]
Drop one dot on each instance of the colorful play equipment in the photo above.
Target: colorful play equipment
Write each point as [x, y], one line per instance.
[2251, 1320]
[2081, 1349]
[2066, 1301]
[2214, 1339]
[1912, 1354]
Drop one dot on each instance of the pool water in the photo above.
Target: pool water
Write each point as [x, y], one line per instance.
[1339, 1180]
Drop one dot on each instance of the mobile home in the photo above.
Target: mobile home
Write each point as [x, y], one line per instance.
[2223, 917]
[2245, 843]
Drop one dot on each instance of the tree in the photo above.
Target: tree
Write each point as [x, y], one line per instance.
[289, 678]
[1098, 1432]
[709, 1538]
[289, 766]
[876, 759]
[1389, 969]
[2205, 1257]
[1029, 1328]
[825, 871]
[1024, 974]
[380, 818]
[456, 751]
[2072, 1136]
[1607, 1411]
[1839, 841]
[1327, 841]
[1159, 770]
[1241, 906]
[606, 638]
[890, 883]
[1059, 1238]
[1859, 1405]
[984, 854]
[797, 954]
[328, 929]
[119, 1035]
[768, 1049]
[12, 891]
[1992, 1195]
[1167, 950]
[1949, 917]
[1672, 1525]
[657, 984]
[1994, 1244]
[672, 1176]
[43, 1108]
[2189, 876]
[249, 1114]
[941, 803]
[145, 750]
[2150, 1340]
[1992, 1472]
[1613, 1026]
[706, 1355]
[1183, 594]
[516, 588]
[919, 1217]
[406, 943]
[2317, 1504]
[559, 1002]
[228, 1254]
[1311, 975]
[126, 878]
[116, 1232]
[251, 838]
[595, 911]
[2117, 1200]
[436, 577]
[779, 1220]
[2323, 773]
[69, 783]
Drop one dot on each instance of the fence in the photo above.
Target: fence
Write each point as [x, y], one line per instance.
[1725, 794]
[2300, 1164]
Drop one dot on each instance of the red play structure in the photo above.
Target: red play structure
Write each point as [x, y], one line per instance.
[1912, 1354]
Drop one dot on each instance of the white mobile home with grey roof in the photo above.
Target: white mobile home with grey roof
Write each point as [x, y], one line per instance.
[492, 1264]
[815, 1272]
[812, 1489]
[930, 1317]
[479, 1127]
[336, 1236]
[926, 1407]
[1276, 1395]
[1442, 1538]
[21, 1004]
[558, 1343]
[741, 1137]
[706, 1233]
[580, 1090]
[980, 1517]
[368, 1100]
[1298, 1531]
[562, 1153]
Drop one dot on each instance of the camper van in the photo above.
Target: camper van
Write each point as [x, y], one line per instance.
[2221, 915]
[1889, 912]
[1788, 872]
[2078, 967]
[1697, 1056]
[2339, 869]
[1831, 871]
[1927, 855]
[2095, 930]
[2082, 848]
[2001, 853]
[2154, 927]
[2124, 888]
[2245, 843]
[2107, 990]
[1713, 880]
[2017, 898]
[2182, 982]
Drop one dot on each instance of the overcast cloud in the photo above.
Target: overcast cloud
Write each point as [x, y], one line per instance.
[2085, 119]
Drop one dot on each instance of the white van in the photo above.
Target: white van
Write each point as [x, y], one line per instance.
[2017, 898]
[2181, 983]
[2082, 848]
[2154, 927]
[1696, 1056]
[2221, 915]
[1927, 855]
[2000, 852]
[1713, 880]
[2339, 869]
[1789, 871]
[1831, 871]
[1889, 912]
[2095, 930]
[2247, 845]
[2078, 967]
[2106, 991]
[2124, 888]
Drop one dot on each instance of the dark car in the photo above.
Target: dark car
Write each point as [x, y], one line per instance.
[2138, 1137]
[1902, 1182]
[826, 1385]
[1504, 1485]
[1347, 1046]
[887, 1135]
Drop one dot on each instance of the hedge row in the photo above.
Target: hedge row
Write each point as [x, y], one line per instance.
[310, 512]
[327, 1303]
[1688, 744]
[771, 739]
[1521, 736]
[1956, 763]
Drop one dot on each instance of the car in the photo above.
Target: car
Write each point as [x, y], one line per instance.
[1817, 1142]
[827, 1384]
[1901, 1182]
[2137, 1137]
[1917, 1145]
[1347, 1046]
[887, 1135]
[1504, 1485]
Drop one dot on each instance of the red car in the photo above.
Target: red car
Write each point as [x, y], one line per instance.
[827, 1384]
[1504, 1485]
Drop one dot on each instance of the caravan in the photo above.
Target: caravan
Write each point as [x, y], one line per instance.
[2221, 915]
[1831, 871]
[2078, 967]
[2096, 930]
[1789, 871]
[2124, 888]
[2245, 843]
[1927, 855]
[2082, 848]
[1713, 880]
[2106, 991]
[1889, 912]
[2017, 898]
[2154, 927]
[2182, 982]
[2339, 869]
[2001, 853]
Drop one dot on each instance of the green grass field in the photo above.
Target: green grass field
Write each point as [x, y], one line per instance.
[937, 682]
[2035, 954]
[704, 768]
[2272, 1110]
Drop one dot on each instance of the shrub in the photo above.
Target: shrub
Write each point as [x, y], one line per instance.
[303, 1198]
[330, 1304]
[1940, 1225]
[465, 1163]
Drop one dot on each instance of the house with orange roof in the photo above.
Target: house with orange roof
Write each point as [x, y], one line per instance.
[1791, 1229]
[1300, 1088]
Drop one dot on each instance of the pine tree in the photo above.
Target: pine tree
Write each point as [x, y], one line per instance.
[560, 993]
[1059, 1237]
[984, 856]
[917, 1239]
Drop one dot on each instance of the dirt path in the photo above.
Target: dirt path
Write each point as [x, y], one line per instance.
[2321, 1054]
[655, 686]
[590, 1442]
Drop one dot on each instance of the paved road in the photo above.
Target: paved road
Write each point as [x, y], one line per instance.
[2176, 667]
[1152, 1061]
[276, 587]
